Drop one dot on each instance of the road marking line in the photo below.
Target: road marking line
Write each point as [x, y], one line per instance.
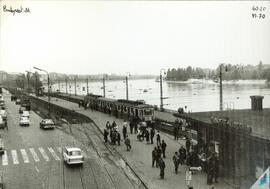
[34, 154]
[24, 156]
[4, 158]
[53, 154]
[43, 153]
[14, 157]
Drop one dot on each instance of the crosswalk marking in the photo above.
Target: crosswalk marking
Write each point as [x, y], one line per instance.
[43, 153]
[24, 156]
[53, 154]
[14, 157]
[4, 158]
[34, 154]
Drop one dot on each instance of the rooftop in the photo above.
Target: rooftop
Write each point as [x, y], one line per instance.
[259, 121]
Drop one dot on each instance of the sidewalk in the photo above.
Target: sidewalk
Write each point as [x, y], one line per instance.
[141, 154]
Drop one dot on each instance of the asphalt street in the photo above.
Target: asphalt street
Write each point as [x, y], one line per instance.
[33, 158]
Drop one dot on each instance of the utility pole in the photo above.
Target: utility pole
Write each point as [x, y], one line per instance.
[104, 86]
[161, 89]
[66, 86]
[220, 89]
[127, 75]
[87, 89]
[75, 87]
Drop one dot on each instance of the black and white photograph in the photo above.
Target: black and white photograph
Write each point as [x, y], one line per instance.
[118, 94]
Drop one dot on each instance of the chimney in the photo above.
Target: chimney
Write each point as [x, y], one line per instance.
[256, 102]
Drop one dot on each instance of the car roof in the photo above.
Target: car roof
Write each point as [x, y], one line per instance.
[69, 148]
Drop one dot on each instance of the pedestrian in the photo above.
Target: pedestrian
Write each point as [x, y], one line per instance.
[162, 168]
[114, 124]
[108, 125]
[216, 167]
[154, 157]
[106, 133]
[147, 136]
[188, 178]
[113, 136]
[163, 147]
[159, 152]
[176, 162]
[118, 138]
[136, 127]
[152, 134]
[175, 129]
[188, 144]
[127, 143]
[210, 169]
[124, 131]
[182, 155]
[131, 125]
[158, 138]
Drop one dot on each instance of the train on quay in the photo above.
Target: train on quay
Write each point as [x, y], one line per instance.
[118, 107]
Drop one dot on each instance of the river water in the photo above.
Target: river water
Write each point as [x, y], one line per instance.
[192, 97]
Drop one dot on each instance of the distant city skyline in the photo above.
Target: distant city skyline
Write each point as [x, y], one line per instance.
[116, 37]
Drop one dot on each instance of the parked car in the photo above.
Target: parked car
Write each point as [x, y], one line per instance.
[47, 124]
[24, 121]
[21, 109]
[2, 123]
[18, 101]
[72, 155]
[26, 114]
[3, 113]
[2, 149]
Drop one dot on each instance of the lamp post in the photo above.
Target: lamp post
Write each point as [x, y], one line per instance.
[104, 76]
[48, 86]
[162, 71]
[87, 89]
[127, 75]
[220, 86]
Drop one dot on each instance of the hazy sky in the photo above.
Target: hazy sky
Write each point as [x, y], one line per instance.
[90, 37]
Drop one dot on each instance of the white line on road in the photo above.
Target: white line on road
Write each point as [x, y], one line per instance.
[53, 154]
[14, 157]
[24, 156]
[43, 153]
[4, 158]
[34, 154]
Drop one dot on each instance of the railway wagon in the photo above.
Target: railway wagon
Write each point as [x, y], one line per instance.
[121, 108]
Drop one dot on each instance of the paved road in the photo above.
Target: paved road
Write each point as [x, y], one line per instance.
[140, 155]
[33, 158]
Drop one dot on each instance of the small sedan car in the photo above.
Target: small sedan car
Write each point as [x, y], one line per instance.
[24, 121]
[26, 114]
[47, 124]
[72, 155]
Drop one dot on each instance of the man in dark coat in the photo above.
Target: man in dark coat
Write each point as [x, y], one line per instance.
[106, 133]
[127, 143]
[154, 157]
[118, 138]
[176, 162]
[159, 152]
[182, 155]
[216, 167]
[146, 132]
[152, 134]
[158, 138]
[163, 147]
[162, 168]
[124, 131]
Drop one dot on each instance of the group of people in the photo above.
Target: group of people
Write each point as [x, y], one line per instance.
[112, 130]
[187, 155]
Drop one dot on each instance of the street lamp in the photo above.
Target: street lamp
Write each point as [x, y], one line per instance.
[162, 72]
[220, 87]
[127, 75]
[48, 86]
[104, 76]
[87, 88]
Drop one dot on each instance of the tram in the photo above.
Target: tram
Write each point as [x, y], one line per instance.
[120, 107]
